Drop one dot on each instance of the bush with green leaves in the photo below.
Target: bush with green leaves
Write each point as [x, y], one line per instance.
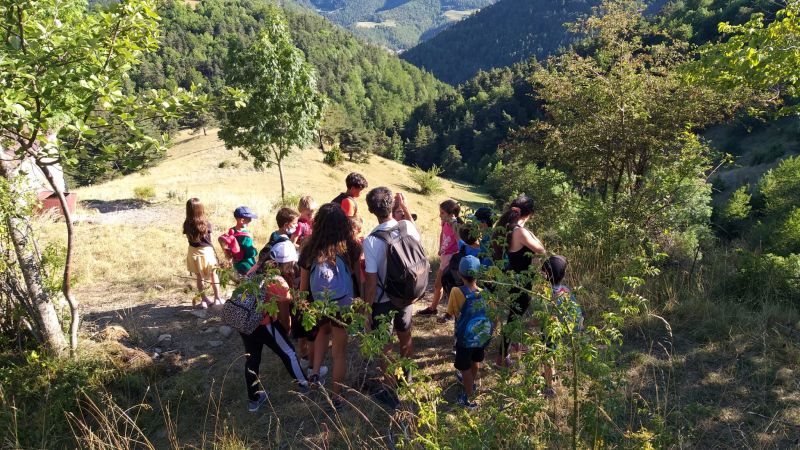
[144, 193]
[333, 157]
[428, 180]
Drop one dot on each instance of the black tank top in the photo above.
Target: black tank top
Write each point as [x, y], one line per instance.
[520, 260]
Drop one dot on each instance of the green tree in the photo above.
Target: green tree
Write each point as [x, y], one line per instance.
[62, 72]
[280, 108]
[756, 55]
[355, 143]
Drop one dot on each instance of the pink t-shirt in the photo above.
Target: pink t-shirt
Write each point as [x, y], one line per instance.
[448, 241]
[303, 230]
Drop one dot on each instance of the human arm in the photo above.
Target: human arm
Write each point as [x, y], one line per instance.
[528, 239]
[400, 201]
[349, 207]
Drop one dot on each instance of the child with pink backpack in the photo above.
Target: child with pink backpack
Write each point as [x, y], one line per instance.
[238, 242]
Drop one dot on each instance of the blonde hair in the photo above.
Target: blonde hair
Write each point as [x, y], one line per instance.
[306, 203]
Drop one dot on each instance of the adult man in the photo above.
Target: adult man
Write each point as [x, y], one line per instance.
[381, 203]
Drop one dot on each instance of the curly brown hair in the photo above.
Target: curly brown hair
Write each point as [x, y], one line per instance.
[331, 236]
[195, 226]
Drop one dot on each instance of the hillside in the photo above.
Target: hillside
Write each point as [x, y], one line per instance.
[191, 169]
[395, 24]
[500, 35]
[373, 88]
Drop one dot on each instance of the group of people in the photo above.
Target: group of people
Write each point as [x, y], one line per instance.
[320, 251]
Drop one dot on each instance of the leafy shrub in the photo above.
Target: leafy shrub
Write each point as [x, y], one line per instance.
[144, 193]
[555, 198]
[764, 278]
[228, 164]
[733, 216]
[334, 156]
[428, 181]
[780, 187]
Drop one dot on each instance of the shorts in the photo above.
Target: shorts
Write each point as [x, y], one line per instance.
[466, 356]
[444, 262]
[201, 261]
[298, 331]
[402, 320]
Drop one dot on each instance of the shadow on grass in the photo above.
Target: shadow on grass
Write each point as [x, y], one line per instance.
[109, 206]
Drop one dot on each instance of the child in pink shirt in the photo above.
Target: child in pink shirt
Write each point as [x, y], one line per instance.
[449, 211]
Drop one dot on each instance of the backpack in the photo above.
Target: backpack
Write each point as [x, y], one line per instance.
[266, 252]
[333, 281]
[451, 278]
[407, 266]
[240, 312]
[340, 198]
[473, 327]
[230, 244]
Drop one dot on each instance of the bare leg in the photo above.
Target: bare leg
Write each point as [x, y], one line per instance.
[437, 291]
[320, 347]
[215, 287]
[339, 356]
[468, 378]
[201, 289]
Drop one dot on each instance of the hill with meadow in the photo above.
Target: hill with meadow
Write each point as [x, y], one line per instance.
[395, 25]
[657, 157]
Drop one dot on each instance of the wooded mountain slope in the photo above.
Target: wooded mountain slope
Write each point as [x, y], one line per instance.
[375, 89]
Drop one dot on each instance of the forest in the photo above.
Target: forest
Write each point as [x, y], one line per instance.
[657, 153]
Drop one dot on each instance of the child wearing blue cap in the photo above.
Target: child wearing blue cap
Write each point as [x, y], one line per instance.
[246, 257]
[473, 328]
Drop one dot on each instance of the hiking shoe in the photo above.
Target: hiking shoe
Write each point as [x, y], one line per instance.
[388, 398]
[464, 401]
[337, 402]
[254, 405]
[427, 312]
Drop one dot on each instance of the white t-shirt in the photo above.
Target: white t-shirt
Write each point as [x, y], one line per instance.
[375, 252]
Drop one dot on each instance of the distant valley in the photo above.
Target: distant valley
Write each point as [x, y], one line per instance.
[395, 24]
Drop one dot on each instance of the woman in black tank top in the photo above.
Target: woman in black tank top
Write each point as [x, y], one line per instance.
[520, 247]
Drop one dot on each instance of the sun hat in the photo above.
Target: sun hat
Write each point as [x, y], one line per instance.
[283, 252]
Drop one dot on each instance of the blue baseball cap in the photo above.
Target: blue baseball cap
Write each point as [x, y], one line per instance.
[244, 211]
[469, 266]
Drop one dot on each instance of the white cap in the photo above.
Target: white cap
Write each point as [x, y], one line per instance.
[283, 252]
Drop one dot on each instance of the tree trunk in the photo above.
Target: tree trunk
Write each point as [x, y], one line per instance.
[66, 288]
[280, 172]
[45, 316]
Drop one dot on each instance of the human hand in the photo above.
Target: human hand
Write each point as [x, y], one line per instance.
[399, 199]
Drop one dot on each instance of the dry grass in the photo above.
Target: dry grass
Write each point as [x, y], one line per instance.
[145, 247]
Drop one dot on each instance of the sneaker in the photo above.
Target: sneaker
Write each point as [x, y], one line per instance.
[254, 405]
[549, 393]
[303, 387]
[427, 312]
[337, 402]
[323, 370]
[388, 398]
[464, 401]
[444, 318]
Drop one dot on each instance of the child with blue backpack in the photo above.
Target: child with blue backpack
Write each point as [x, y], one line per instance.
[473, 328]
[329, 264]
